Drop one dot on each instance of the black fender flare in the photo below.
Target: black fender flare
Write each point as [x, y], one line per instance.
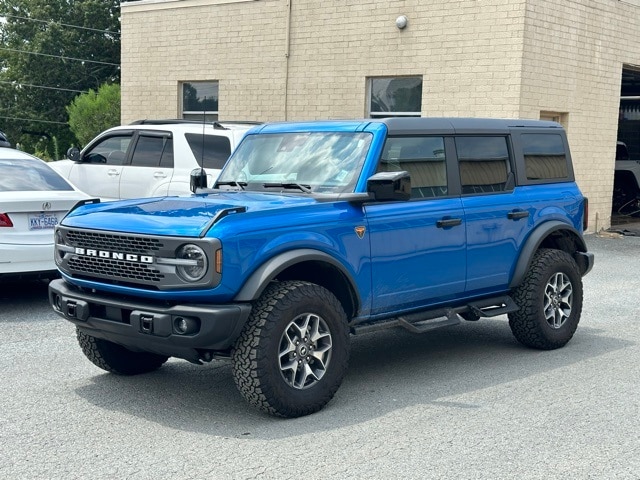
[258, 281]
[533, 243]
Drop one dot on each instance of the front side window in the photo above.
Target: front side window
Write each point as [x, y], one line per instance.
[200, 101]
[544, 156]
[395, 97]
[313, 162]
[424, 159]
[110, 151]
[484, 164]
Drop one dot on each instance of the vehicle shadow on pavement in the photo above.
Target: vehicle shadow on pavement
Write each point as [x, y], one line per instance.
[388, 371]
[24, 294]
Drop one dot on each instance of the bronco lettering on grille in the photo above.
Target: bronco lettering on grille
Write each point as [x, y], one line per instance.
[129, 257]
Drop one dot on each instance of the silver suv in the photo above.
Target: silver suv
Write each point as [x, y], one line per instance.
[150, 158]
[626, 184]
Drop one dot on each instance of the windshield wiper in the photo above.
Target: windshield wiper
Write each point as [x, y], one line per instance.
[232, 183]
[304, 188]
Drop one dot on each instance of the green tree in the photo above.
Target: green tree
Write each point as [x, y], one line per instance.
[50, 51]
[93, 112]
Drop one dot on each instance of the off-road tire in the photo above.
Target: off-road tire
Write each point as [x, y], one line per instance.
[530, 324]
[258, 353]
[117, 359]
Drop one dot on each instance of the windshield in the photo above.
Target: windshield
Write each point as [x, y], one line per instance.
[312, 162]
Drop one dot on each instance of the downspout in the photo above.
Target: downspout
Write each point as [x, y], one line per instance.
[286, 60]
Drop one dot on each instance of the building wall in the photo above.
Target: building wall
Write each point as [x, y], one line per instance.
[574, 52]
[304, 59]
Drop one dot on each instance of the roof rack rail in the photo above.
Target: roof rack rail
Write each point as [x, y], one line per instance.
[219, 124]
[168, 121]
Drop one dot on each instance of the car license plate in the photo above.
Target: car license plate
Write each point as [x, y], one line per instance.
[42, 221]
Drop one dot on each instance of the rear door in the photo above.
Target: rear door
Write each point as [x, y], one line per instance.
[498, 214]
[150, 169]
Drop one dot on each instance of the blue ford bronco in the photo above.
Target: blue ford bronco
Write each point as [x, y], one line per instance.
[317, 231]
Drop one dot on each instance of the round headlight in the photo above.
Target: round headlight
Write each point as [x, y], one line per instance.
[196, 263]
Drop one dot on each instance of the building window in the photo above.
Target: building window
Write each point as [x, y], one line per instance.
[395, 97]
[558, 117]
[200, 99]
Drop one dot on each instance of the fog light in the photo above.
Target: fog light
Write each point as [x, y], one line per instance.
[185, 325]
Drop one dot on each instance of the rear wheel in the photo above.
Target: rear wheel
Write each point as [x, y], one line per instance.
[550, 301]
[293, 352]
[117, 359]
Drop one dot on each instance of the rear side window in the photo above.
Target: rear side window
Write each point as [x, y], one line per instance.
[544, 156]
[216, 149]
[484, 164]
[25, 175]
[424, 159]
[153, 151]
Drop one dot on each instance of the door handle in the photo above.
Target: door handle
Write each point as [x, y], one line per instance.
[517, 214]
[448, 222]
[159, 175]
[113, 173]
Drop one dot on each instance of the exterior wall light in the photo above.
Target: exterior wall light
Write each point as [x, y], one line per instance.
[401, 22]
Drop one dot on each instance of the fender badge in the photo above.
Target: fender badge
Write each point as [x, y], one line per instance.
[360, 231]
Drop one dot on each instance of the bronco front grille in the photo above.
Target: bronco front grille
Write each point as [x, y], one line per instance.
[108, 241]
[116, 269]
[140, 261]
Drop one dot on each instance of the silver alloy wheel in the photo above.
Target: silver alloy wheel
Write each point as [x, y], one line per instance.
[558, 299]
[305, 351]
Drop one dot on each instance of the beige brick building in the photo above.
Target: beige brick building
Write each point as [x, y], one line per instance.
[275, 60]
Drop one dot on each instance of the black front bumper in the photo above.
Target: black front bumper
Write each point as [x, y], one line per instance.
[151, 327]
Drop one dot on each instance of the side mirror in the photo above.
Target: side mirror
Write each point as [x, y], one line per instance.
[384, 186]
[198, 179]
[73, 154]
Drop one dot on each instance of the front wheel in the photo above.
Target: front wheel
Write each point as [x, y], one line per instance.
[550, 301]
[117, 359]
[293, 352]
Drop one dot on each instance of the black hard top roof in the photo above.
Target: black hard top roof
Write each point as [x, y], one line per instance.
[450, 125]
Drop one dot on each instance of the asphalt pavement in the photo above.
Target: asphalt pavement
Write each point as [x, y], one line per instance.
[465, 402]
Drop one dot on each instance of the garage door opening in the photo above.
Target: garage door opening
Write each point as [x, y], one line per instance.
[626, 184]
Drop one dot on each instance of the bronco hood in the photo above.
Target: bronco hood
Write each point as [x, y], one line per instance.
[176, 216]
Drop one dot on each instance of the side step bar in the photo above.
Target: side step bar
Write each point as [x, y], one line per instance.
[421, 322]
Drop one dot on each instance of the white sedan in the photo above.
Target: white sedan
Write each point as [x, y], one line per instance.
[33, 199]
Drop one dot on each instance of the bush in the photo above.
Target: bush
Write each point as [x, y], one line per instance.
[93, 112]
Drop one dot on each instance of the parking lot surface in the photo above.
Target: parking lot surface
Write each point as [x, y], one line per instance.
[462, 402]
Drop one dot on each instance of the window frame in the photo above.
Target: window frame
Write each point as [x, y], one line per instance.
[209, 115]
[391, 113]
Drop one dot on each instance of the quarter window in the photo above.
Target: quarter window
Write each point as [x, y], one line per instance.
[423, 158]
[395, 97]
[483, 163]
[544, 156]
[216, 149]
[200, 101]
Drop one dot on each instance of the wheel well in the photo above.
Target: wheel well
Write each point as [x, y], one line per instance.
[554, 235]
[563, 240]
[329, 277]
